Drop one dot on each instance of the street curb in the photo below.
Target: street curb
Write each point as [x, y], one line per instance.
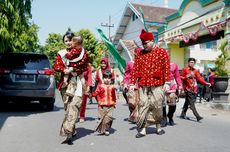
[219, 106]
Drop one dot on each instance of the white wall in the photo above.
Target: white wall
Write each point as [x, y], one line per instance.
[133, 30]
[203, 54]
[191, 11]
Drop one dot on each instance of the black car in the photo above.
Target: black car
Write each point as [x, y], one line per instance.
[27, 77]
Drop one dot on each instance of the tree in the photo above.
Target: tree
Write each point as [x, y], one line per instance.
[53, 44]
[95, 49]
[222, 59]
[100, 50]
[15, 28]
[28, 40]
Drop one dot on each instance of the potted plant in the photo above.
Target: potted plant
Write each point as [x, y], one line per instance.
[221, 79]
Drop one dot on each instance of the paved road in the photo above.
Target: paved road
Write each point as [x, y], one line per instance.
[28, 129]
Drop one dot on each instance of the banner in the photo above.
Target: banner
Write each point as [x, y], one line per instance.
[113, 51]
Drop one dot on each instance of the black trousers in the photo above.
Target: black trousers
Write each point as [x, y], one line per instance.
[171, 111]
[124, 92]
[190, 99]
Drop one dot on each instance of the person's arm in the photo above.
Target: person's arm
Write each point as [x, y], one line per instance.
[166, 67]
[97, 78]
[176, 76]
[183, 75]
[80, 66]
[96, 92]
[73, 53]
[127, 74]
[88, 76]
[134, 75]
[59, 66]
[200, 79]
[114, 94]
[113, 77]
[166, 71]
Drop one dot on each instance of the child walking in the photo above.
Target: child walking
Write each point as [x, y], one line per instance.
[106, 96]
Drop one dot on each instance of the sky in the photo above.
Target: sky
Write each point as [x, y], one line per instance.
[55, 16]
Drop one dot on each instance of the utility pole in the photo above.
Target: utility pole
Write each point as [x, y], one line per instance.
[109, 25]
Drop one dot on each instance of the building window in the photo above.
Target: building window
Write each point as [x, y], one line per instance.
[212, 45]
[134, 17]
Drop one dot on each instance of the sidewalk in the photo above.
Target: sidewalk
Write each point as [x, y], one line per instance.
[211, 104]
[216, 105]
[204, 103]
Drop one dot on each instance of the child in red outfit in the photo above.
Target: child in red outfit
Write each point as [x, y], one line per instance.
[76, 58]
[106, 96]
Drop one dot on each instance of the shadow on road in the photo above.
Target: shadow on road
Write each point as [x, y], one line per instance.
[22, 109]
[188, 118]
[82, 132]
[89, 119]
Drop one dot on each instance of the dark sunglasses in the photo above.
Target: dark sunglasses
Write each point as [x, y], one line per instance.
[146, 42]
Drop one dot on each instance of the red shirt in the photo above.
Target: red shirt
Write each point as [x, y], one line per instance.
[73, 53]
[79, 66]
[211, 79]
[106, 95]
[60, 65]
[190, 84]
[151, 68]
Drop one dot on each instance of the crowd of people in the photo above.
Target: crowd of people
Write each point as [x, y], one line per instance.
[150, 83]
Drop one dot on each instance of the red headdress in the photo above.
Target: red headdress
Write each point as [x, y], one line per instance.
[146, 36]
[104, 59]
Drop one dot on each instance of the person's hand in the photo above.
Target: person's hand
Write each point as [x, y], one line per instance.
[68, 70]
[189, 75]
[125, 86]
[208, 84]
[132, 87]
[90, 95]
[180, 89]
[166, 87]
[85, 89]
[75, 74]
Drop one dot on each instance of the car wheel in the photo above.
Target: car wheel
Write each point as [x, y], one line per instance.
[48, 104]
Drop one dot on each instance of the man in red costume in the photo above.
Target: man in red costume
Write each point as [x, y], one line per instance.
[152, 73]
[189, 76]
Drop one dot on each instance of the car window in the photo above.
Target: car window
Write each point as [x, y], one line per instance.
[24, 61]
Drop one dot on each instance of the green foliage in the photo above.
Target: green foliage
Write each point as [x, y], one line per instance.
[16, 32]
[223, 58]
[100, 50]
[28, 40]
[53, 44]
